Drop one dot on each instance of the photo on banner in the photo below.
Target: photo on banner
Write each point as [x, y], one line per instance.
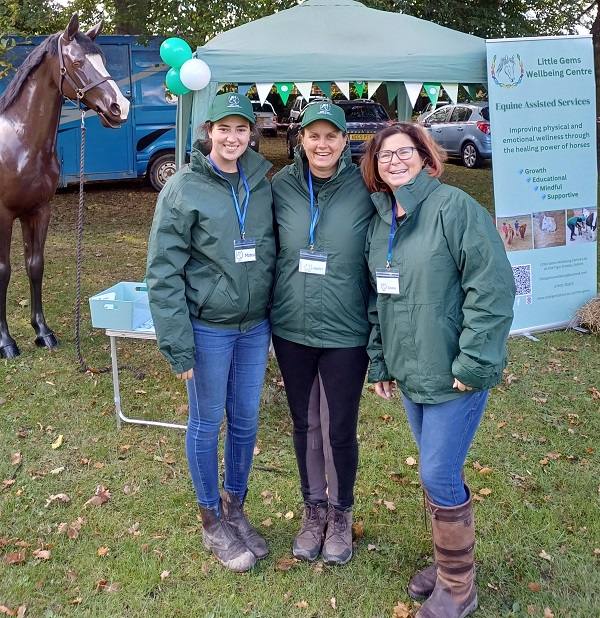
[543, 120]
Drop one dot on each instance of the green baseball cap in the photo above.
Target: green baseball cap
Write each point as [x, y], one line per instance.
[231, 104]
[324, 110]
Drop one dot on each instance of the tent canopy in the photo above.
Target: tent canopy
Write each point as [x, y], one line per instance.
[334, 40]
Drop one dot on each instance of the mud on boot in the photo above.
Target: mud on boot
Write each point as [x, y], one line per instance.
[219, 537]
[233, 511]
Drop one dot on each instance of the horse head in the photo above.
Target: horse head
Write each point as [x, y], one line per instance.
[82, 75]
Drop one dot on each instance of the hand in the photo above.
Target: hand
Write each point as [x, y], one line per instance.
[460, 386]
[186, 375]
[384, 389]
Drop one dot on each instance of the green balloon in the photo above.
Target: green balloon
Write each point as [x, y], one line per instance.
[175, 52]
[174, 83]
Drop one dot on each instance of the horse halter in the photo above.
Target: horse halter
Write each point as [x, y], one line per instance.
[79, 90]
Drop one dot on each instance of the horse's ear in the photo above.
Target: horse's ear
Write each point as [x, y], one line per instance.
[71, 29]
[95, 31]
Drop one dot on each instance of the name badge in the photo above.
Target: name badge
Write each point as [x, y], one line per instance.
[244, 250]
[388, 280]
[312, 262]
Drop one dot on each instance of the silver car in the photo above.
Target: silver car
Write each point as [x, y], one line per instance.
[266, 118]
[463, 130]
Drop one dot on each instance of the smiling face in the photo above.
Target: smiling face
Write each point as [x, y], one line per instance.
[323, 144]
[396, 173]
[230, 137]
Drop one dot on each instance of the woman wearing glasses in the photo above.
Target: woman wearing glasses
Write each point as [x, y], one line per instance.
[320, 324]
[445, 293]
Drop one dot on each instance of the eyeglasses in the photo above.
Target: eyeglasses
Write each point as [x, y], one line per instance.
[385, 156]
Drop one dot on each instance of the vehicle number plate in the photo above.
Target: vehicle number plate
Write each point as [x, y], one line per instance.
[360, 136]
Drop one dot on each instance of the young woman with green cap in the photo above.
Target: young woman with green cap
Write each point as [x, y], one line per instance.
[211, 262]
[320, 325]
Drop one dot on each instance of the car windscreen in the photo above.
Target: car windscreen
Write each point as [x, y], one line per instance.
[365, 113]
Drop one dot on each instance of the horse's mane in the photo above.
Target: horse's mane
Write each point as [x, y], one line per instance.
[49, 48]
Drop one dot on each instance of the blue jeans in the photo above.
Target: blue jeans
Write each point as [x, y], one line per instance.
[443, 433]
[228, 376]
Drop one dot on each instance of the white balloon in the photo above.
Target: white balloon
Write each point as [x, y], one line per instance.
[194, 74]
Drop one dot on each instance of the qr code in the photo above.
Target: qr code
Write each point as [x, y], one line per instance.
[522, 275]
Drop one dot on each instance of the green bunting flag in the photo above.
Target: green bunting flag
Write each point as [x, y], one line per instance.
[284, 89]
[360, 88]
[325, 88]
[433, 92]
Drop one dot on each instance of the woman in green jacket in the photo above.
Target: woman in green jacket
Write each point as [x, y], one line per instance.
[320, 324]
[445, 293]
[211, 261]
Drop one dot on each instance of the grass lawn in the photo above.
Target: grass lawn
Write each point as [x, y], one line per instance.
[533, 467]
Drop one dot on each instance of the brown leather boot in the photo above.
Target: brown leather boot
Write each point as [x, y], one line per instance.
[337, 548]
[422, 584]
[309, 540]
[454, 595]
[233, 510]
[219, 537]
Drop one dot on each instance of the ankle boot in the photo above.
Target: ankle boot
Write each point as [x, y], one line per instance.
[233, 511]
[454, 595]
[219, 537]
[309, 540]
[337, 548]
[422, 584]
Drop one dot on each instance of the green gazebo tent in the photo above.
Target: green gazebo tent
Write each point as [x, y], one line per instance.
[337, 41]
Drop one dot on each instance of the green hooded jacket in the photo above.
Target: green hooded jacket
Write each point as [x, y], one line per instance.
[331, 310]
[191, 268]
[455, 307]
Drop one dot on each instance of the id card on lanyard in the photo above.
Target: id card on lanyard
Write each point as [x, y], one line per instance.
[244, 250]
[388, 278]
[312, 262]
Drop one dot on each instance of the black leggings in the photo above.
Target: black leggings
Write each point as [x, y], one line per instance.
[323, 387]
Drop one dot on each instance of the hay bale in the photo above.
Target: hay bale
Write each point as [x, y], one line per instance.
[588, 316]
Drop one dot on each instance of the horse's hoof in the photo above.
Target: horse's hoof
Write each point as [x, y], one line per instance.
[47, 341]
[9, 351]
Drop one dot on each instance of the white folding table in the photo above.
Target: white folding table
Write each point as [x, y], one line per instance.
[140, 333]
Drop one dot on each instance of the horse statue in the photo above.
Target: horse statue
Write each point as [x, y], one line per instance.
[66, 64]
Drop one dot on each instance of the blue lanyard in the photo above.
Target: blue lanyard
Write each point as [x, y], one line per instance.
[314, 213]
[392, 230]
[241, 215]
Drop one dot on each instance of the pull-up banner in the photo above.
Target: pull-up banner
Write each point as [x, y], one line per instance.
[543, 122]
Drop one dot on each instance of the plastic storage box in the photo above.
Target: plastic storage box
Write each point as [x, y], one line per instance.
[122, 307]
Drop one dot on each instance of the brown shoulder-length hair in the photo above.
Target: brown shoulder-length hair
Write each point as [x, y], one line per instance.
[202, 135]
[430, 152]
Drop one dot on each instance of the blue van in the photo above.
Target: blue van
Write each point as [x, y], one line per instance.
[145, 143]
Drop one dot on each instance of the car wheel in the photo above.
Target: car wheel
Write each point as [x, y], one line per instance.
[160, 170]
[470, 156]
[290, 150]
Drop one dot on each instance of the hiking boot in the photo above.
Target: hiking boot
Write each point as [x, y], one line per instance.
[309, 539]
[337, 548]
[219, 537]
[233, 511]
[422, 584]
[454, 595]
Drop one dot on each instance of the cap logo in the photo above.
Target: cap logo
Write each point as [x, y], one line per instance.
[325, 108]
[234, 101]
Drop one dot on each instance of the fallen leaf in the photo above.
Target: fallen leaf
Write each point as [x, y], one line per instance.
[544, 461]
[289, 515]
[103, 551]
[41, 554]
[358, 529]
[371, 547]
[411, 461]
[76, 601]
[287, 595]
[267, 497]
[501, 424]
[477, 465]
[596, 395]
[318, 568]
[546, 556]
[285, 564]
[332, 601]
[58, 442]
[401, 610]
[302, 604]
[548, 613]
[57, 498]
[7, 483]
[267, 522]
[17, 557]
[256, 451]
[534, 586]
[105, 586]
[15, 458]
[485, 491]
[486, 471]
[164, 575]
[390, 505]
[101, 497]
[57, 470]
